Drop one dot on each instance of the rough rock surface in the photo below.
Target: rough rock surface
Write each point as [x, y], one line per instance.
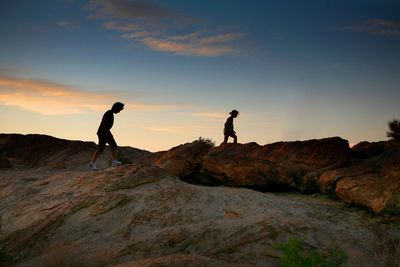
[140, 216]
[53, 209]
[278, 165]
[372, 179]
[185, 159]
[33, 150]
[234, 165]
[367, 175]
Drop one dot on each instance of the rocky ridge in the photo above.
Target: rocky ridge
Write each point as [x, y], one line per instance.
[144, 213]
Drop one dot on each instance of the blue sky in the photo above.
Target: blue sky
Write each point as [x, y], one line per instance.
[295, 70]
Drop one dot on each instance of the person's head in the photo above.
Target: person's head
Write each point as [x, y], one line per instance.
[117, 107]
[234, 113]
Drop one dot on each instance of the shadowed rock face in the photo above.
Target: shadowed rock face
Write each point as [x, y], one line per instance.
[185, 159]
[136, 215]
[367, 175]
[31, 151]
[372, 179]
[283, 164]
[54, 210]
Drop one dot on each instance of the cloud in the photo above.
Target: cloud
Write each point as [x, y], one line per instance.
[162, 29]
[65, 24]
[211, 115]
[133, 9]
[127, 27]
[50, 98]
[164, 129]
[179, 129]
[379, 27]
[187, 48]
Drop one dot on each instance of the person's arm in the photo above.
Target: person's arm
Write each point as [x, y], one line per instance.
[107, 122]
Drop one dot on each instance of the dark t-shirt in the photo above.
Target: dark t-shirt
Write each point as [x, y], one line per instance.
[106, 123]
[229, 125]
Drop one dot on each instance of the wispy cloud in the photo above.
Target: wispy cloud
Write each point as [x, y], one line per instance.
[164, 129]
[211, 115]
[179, 129]
[65, 24]
[56, 99]
[161, 29]
[379, 27]
[125, 27]
[187, 48]
[47, 97]
[131, 9]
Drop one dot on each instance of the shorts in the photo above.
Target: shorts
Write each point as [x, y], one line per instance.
[229, 133]
[104, 139]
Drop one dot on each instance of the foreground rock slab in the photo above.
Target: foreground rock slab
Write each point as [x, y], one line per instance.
[136, 215]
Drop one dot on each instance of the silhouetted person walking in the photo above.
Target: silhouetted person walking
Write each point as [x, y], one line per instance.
[105, 136]
[228, 130]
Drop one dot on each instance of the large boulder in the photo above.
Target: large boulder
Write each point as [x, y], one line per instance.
[279, 165]
[366, 149]
[185, 159]
[307, 155]
[237, 165]
[372, 180]
[33, 150]
[376, 192]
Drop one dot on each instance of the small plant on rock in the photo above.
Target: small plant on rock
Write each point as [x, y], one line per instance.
[394, 130]
[294, 254]
[207, 141]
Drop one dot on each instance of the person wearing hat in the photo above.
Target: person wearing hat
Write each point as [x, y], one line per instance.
[105, 136]
[228, 130]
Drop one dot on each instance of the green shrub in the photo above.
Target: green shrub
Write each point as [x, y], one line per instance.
[394, 130]
[207, 141]
[295, 255]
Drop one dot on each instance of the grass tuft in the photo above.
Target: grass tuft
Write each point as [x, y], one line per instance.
[294, 254]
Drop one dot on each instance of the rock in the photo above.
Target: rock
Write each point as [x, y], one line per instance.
[372, 182]
[32, 151]
[179, 260]
[140, 215]
[378, 193]
[367, 150]
[367, 175]
[327, 182]
[185, 159]
[307, 155]
[279, 165]
[236, 165]
[4, 162]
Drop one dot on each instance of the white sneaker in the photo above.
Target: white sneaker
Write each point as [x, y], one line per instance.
[93, 166]
[116, 163]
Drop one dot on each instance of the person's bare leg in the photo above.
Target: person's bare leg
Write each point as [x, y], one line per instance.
[113, 153]
[95, 156]
[225, 139]
[234, 138]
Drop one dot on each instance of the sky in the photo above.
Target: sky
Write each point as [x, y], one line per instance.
[295, 70]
